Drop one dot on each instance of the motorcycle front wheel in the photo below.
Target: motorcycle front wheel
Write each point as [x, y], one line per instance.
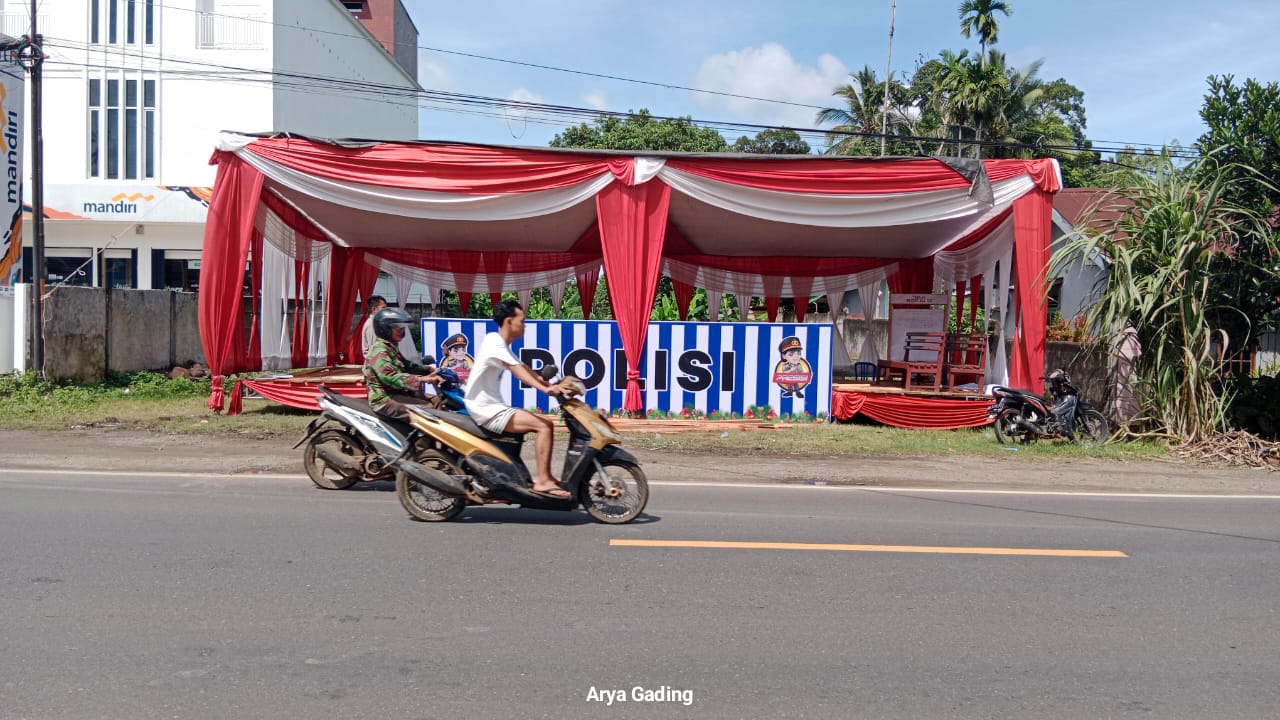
[319, 471]
[1092, 428]
[423, 502]
[1008, 431]
[616, 496]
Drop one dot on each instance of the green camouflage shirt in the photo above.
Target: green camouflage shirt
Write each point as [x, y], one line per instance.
[387, 373]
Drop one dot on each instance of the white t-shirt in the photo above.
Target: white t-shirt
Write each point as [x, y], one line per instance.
[484, 386]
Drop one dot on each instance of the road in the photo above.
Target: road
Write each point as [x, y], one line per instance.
[191, 596]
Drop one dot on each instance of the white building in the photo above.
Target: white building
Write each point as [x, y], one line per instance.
[136, 92]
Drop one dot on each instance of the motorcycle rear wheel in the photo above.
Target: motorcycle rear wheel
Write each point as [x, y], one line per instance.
[319, 472]
[618, 497]
[1008, 431]
[1092, 428]
[425, 503]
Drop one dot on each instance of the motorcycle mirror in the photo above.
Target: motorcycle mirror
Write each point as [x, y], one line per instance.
[428, 360]
[548, 371]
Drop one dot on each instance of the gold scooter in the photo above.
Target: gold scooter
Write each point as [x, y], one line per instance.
[453, 462]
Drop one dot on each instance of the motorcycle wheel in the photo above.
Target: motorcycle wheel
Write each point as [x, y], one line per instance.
[319, 472]
[1092, 428]
[618, 496]
[422, 502]
[1008, 431]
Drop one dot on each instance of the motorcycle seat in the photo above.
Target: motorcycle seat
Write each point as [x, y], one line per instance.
[464, 422]
[399, 427]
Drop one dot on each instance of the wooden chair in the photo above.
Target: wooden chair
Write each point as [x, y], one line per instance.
[966, 357]
[922, 355]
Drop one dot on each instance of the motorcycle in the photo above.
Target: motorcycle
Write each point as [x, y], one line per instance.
[467, 463]
[1021, 416]
[354, 448]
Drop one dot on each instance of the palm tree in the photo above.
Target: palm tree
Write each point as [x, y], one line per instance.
[863, 105]
[976, 90]
[979, 16]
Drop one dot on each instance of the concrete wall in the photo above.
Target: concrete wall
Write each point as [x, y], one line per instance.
[91, 331]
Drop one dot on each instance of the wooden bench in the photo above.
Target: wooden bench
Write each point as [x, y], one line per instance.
[966, 357]
[922, 355]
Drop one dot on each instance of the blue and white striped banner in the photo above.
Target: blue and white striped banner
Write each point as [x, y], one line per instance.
[727, 367]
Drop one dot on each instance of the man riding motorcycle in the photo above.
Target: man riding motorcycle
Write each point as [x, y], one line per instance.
[393, 381]
[484, 393]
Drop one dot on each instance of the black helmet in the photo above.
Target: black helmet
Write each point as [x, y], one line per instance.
[387, 318]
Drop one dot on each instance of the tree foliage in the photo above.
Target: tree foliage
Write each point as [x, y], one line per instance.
[641, 131]
[773, 141]
[1242, 143]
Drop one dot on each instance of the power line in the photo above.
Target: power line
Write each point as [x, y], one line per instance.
[604, 76]
[500, 106]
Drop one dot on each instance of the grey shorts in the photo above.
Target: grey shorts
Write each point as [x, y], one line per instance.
[498, 423]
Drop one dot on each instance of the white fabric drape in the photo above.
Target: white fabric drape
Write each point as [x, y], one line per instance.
[749, 284]
[402, 283]
[524, 296]
[713, 304]
[479, 283]
[427, 204]
[953, 266]
[317, 314]
[997, 357]
[557, 294]
[277, 274]
[869, 296]
[847, 211]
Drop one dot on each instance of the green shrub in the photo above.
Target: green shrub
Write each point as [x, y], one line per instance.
[1255, 406]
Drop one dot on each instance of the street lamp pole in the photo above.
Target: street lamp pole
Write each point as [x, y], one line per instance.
[884, 111]
[37, 190]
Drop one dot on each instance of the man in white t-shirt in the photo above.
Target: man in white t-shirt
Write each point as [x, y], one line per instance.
[367, 336]
[484, 393]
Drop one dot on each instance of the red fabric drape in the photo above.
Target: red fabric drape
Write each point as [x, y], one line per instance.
[632, 224]
[684, 296]
[771, 305]
[858, 176]
[464, 303]
[975, 289]
[913, 276]
[587, 282]
[254, 351]
[434, 166]
[366, 278]
[1032, 219]
[802, 287]
[906, 411]
[305, 396]
[301, 318]
[345, 270]
[228, 233]
[495, 299]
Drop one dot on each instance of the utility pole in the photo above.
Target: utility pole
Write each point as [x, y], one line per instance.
[884, 111]
[37, 189]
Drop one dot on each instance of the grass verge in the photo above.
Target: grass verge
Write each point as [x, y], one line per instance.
[154, 403]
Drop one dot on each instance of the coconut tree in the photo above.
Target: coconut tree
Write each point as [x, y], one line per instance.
[979, 17]
[861, 114]
[975, 91]
[1169, 240]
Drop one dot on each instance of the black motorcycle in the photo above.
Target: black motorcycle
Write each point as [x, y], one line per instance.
[1021, 416]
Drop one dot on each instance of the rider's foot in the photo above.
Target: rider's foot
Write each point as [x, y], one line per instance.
[551, 489]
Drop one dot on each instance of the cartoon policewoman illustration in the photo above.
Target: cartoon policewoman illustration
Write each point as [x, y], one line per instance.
[792, 372]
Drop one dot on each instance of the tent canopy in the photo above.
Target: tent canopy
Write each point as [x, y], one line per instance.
[488, 219]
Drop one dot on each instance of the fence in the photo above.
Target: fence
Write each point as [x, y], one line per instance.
[89, 332]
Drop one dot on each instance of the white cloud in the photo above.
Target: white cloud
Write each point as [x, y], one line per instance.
[770, 72]
[525, 96]
[434, 72]
[596, 99]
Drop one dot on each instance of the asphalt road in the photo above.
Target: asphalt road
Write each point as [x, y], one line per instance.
[233, 597]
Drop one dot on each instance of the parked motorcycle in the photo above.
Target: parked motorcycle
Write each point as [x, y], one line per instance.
[468, 463]
[348, 443]
[1021, 416]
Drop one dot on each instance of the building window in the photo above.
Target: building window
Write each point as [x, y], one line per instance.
[182, 275]
[68, 270]
[230, 25]
[122, 130]
[139, 22]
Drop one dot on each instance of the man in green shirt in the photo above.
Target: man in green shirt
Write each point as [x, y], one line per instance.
[392, 381]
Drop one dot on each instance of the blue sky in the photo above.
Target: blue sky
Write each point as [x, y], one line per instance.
[1142, 64]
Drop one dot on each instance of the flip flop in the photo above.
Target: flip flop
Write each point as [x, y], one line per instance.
[556, 494]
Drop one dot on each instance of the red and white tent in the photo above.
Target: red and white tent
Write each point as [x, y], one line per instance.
[488, 219]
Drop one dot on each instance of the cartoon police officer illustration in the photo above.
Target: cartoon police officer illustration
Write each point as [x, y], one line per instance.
[454, 350]
[792, 372]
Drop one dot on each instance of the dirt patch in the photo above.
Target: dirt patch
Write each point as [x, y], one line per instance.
[118, 449]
